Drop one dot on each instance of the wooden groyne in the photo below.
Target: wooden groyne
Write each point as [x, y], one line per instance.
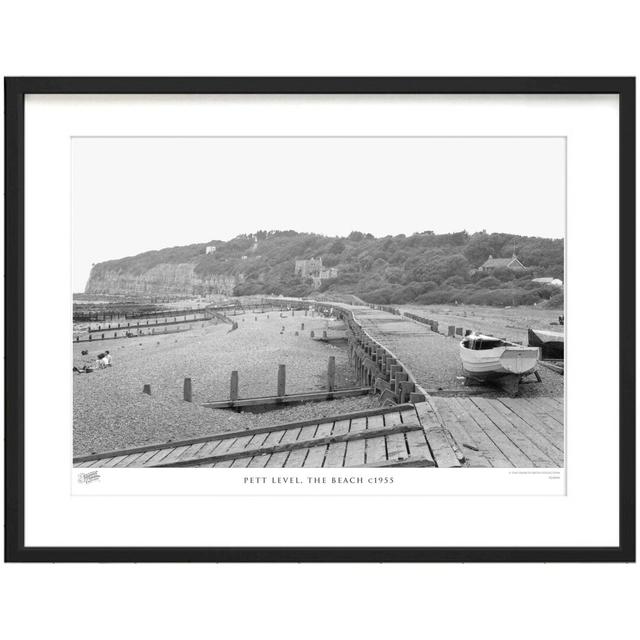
[400, 436]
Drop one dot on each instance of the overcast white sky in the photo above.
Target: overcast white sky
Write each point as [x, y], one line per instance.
[136, 194]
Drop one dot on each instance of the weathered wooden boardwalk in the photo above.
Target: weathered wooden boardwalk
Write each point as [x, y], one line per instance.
[505, 432]
[405, 435]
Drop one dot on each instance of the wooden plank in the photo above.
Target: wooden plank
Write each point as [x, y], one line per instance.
[259, 461]
[335, 455]
[278, 459]
[408, 415]
[357, 424]
[324, 430]
[554, 435]
[340, 427]
[553, 424]
[209, 447]
[315, 457]
[237, 447]
[239, 462]
[443, 454]
[376, 422]
[551, 408]
[397, 447]
[128, 460]
[418, 447]
[194, 450]
[479, 450]
[515, 456]
[440, 441]
[113, 461]
[308, 432]
[222, 463]
[551, 403]
[296, 458]
[290, 435]
[521, 440]
[158, 457]
[273, 438]
[405, 462]
[142, 458]
[540, 409]
[375, 450]
[284, 400]
[543, 444]
[99, 463]
[257, 440]
[177, 453]
[392, 418]
[354, 455]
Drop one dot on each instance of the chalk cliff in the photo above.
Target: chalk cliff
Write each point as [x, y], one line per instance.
[161, 279]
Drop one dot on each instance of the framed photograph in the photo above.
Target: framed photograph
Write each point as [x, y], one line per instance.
[320, 319]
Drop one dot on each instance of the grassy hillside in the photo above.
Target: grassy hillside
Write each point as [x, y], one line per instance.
[424, 267]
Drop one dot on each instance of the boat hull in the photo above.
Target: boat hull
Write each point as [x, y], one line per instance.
[496, 363]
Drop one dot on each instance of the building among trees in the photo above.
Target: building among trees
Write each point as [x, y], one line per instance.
[511, 263]
[314, 269]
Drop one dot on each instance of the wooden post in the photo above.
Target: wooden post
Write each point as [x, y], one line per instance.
[406, 389]
[147, 389]
[282, 378]
[302, 326]
[313, 334]
[459, 331]
[331, 373]
[234, 386]
[187, 389]
[324, 335]
[451, 331]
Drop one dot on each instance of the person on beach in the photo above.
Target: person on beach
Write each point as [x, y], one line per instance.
[100, 362]
[107, 359]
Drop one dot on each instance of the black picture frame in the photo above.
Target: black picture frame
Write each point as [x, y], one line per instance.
[15, 91]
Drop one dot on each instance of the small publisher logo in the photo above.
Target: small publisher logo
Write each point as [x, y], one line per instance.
[88, 477]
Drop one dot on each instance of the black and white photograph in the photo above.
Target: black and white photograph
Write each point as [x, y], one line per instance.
[320, 319]
[318, 302]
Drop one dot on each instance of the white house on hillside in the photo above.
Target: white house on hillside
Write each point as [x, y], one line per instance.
[502, 263]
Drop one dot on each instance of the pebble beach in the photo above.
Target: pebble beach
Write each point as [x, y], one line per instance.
[111, 412]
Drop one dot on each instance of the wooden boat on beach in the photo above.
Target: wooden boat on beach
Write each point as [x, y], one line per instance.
[486, 358]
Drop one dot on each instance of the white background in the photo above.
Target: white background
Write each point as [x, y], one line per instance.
[332, 38]
[53, 517]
